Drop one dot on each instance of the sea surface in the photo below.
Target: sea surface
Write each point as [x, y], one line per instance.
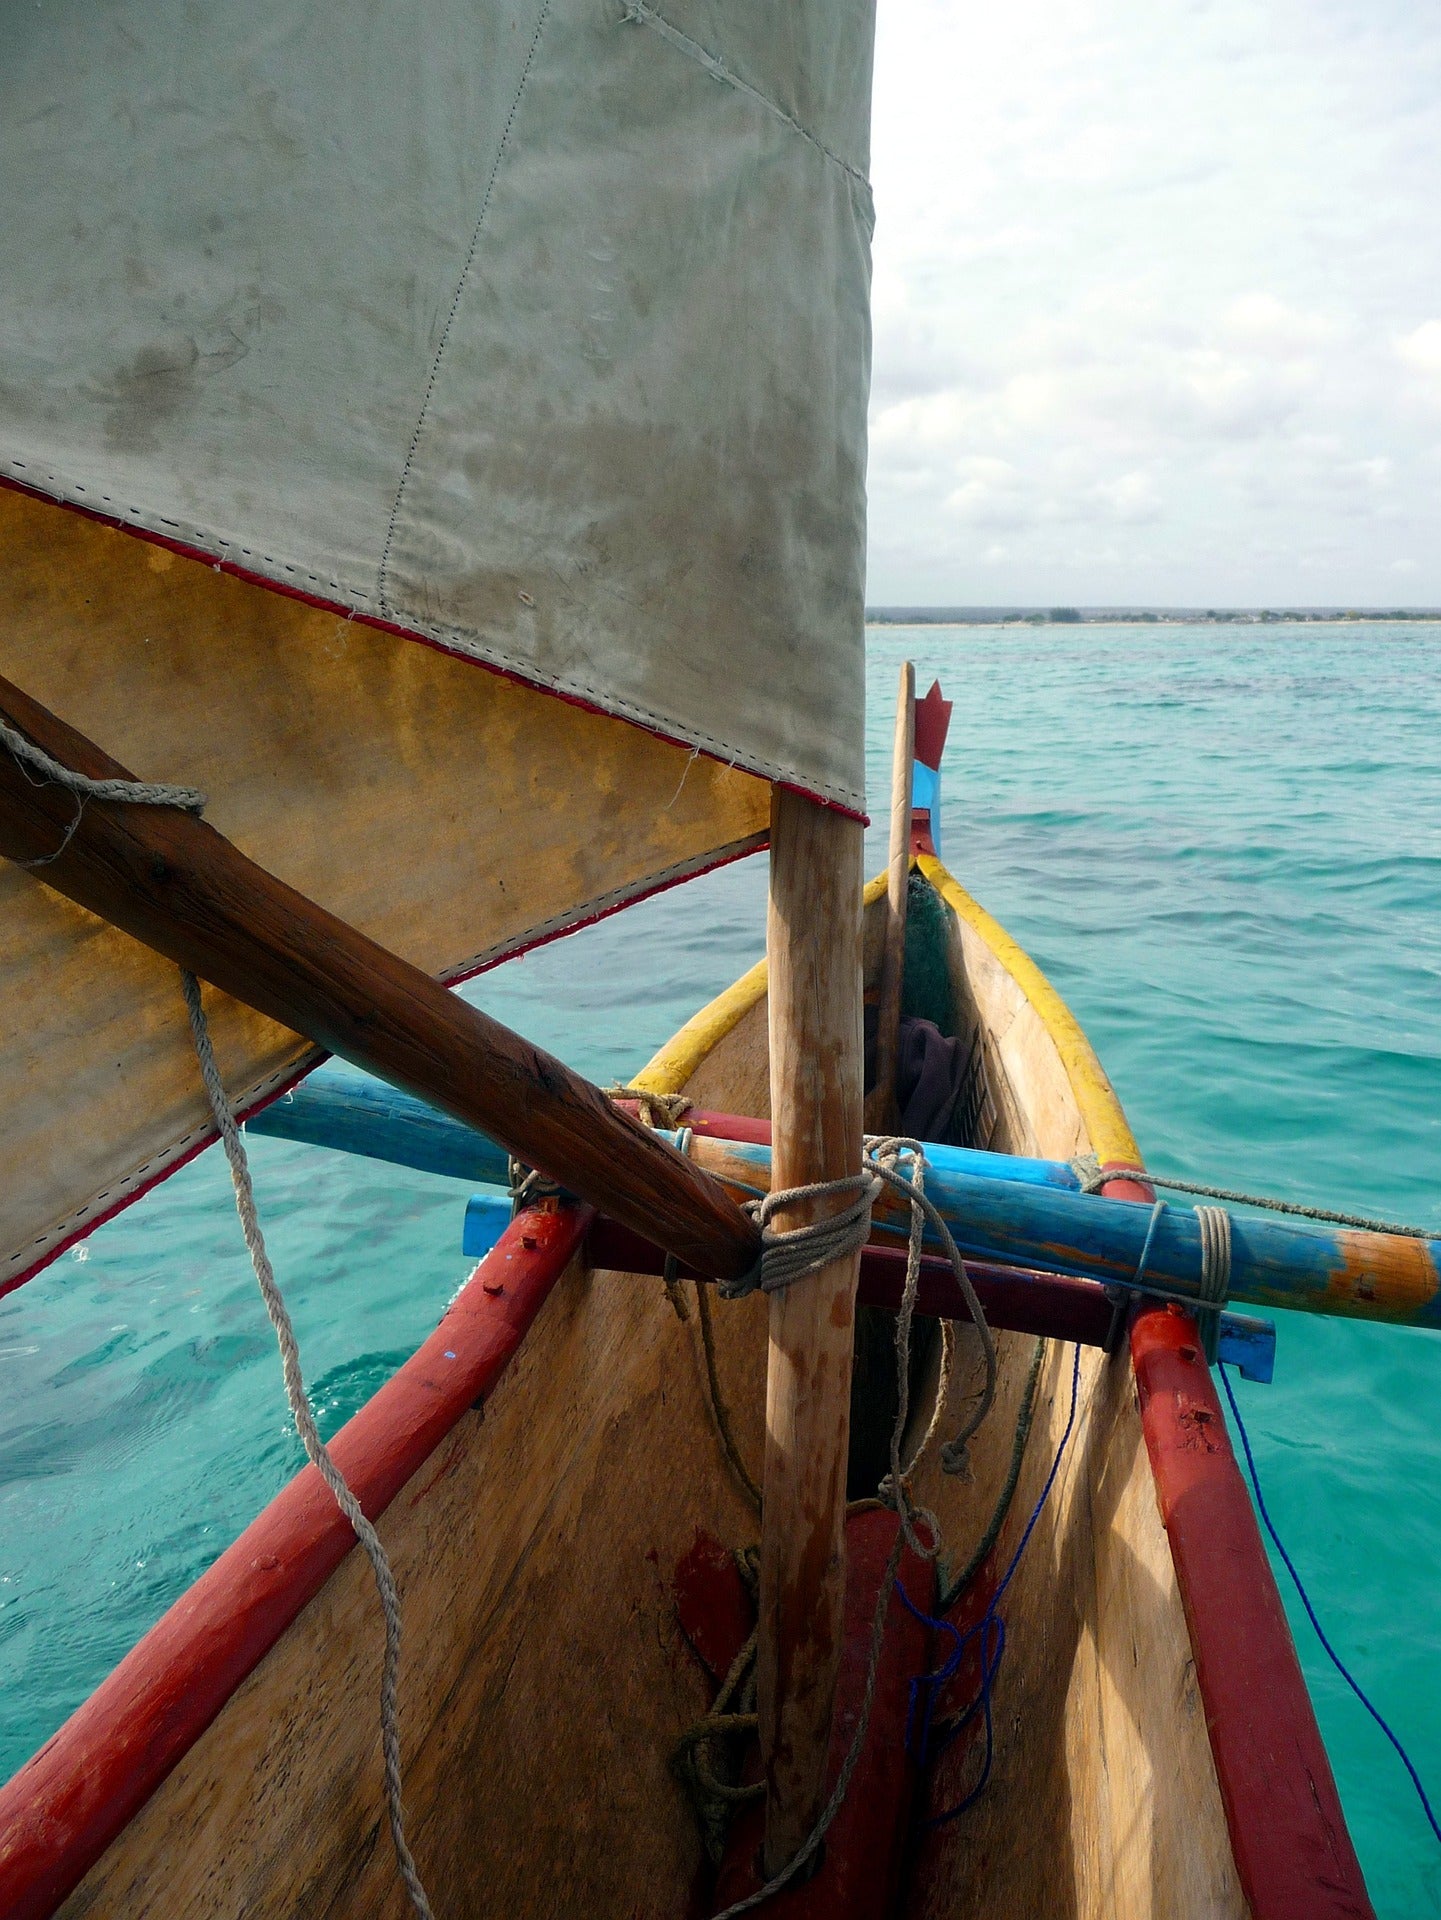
[1224, 846]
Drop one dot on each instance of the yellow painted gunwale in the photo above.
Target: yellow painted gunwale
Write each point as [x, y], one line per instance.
[704, 1031]
[1105, 1121]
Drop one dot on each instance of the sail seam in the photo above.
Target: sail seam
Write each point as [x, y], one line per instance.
[198, 543]
[646, 16]
[405, 472]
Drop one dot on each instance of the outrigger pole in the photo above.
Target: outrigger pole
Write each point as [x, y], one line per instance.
[180, 887]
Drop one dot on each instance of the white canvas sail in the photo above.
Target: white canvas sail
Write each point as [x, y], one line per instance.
[538, 330]
[534, 334]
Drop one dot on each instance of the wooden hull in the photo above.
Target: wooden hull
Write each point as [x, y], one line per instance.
[231, 1764]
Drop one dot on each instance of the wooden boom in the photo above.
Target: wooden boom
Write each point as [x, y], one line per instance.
[176, 884]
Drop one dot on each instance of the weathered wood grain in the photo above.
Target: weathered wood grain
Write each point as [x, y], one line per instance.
[881, 1100]
[813, 943]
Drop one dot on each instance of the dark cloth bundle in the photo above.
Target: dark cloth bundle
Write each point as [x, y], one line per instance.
[930, 1078]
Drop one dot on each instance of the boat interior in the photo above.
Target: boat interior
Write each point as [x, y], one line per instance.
[545, 1547]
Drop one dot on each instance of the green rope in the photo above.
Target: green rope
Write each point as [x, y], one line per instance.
[719, 1412]
[1008, 1492]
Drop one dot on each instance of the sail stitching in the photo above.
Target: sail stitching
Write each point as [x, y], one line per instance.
[646, 16]
[500, 153]
[456, 642]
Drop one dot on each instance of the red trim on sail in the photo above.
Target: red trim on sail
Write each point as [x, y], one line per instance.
[207, 1136]
[217, 563]
[1288, 1834]
[65, 1807]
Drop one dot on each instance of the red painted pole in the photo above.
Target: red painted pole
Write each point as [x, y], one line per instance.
[1289, 1838]
[1293, 1853]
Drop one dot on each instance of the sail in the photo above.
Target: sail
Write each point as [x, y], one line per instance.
[487, 384]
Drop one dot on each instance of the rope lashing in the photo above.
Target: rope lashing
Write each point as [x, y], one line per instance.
[1215, 1225]
[316, 1450]
[1214, 1287]
[528, 1186]
[656, 1109]
[136, 793]
[1093, 1176]
[791, 1256]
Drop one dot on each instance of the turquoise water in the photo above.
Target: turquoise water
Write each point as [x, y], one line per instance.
[1225, 849]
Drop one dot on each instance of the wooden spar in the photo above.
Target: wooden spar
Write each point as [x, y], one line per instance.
[881, 1113]
[174, 883]
[813, 940]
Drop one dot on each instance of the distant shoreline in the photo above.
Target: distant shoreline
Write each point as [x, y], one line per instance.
[1144, 616]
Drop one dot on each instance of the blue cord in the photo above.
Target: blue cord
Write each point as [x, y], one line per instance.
[1331, 1653]
[991, 1631]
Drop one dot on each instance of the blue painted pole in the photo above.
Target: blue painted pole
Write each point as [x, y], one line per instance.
[1275, 1262]
[1004, 1208]
[352, 1113]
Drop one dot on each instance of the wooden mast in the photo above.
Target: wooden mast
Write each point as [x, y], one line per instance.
[881, 1104]
[813, 942]
[176, 884]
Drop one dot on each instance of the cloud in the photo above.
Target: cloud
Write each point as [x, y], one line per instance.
[1152, 303]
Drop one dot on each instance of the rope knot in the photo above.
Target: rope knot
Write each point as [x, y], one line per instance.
[955, 1459]
[656, 1109]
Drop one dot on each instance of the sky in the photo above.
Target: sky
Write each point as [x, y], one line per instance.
[1157, 303]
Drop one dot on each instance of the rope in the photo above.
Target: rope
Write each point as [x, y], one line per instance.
[1215, 1225]
[1092, 1177]
[1214, 1285]
[1025, 1419]
[316, 1450]
[139, 793]
[811, 1844]
[794, 1255]
[883, 1158]
[1330, 1651]
[528, 1186]
[719, 1412]
[656, 1109]
[990, 1630]
[884, 1155]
